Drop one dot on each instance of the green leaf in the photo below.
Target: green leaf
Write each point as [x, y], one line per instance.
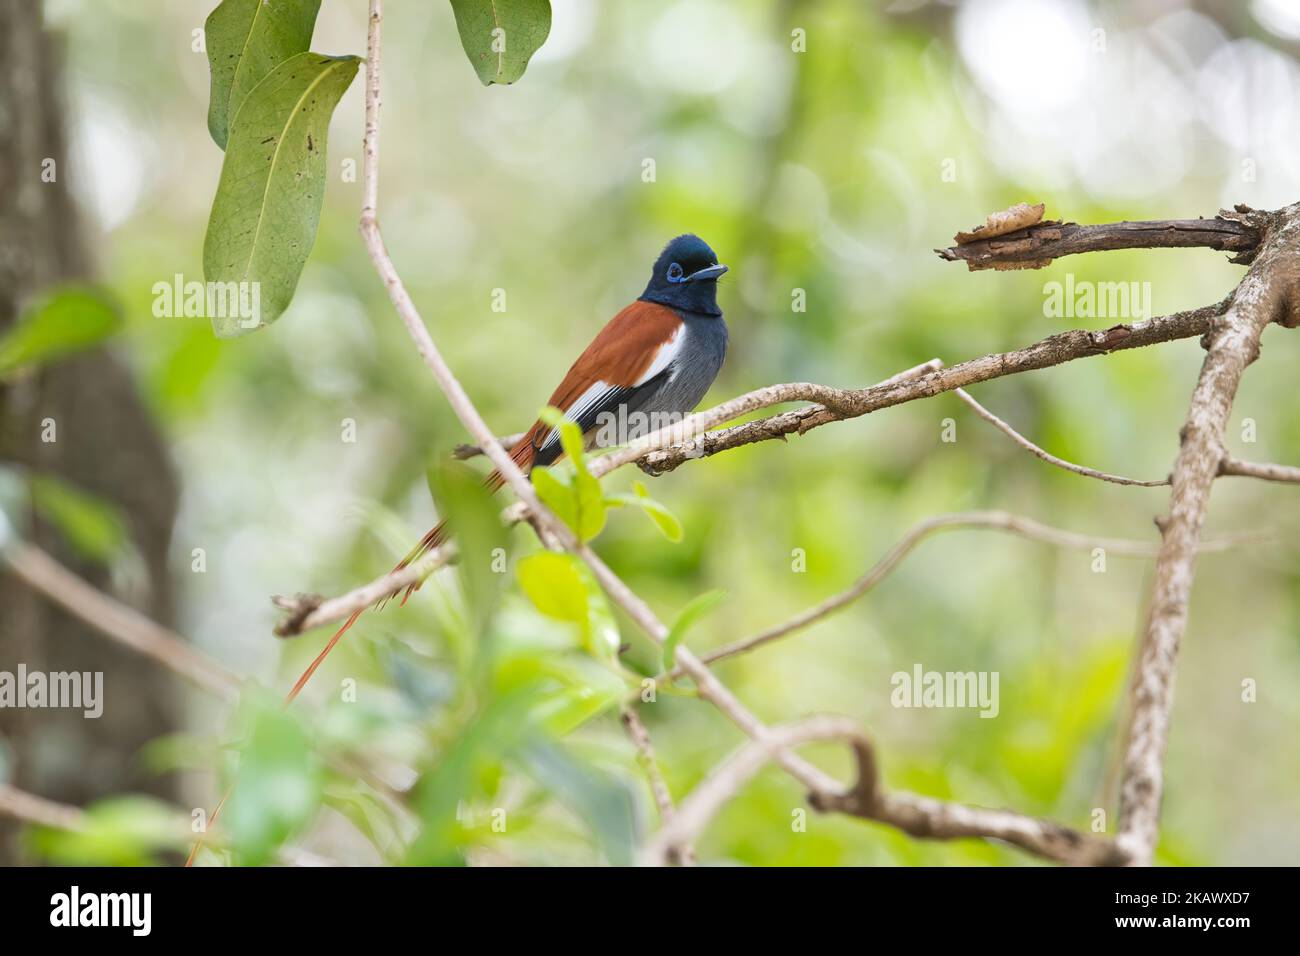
[501, 36]
[482, 541]
[693, 611]
[597, 799]
[579, 503]
[278, 787]
[552, 582]
[119, 831]
[663, 519]
[268, 202]
[93, 527]
[246, 40]
[65, 321]
[560, 586]
[557, 494]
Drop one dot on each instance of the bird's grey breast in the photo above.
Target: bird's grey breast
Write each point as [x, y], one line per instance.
[696, 364]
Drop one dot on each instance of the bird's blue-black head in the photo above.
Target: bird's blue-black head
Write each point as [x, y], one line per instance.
[686, 277]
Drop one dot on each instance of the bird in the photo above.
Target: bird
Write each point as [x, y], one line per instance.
[656, 357]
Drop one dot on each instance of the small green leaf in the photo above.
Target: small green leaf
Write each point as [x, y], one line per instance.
[268, 202]
[581, 504]
[93, 527]
[693, 611]
[556, 494]
[501, 36]
[482, 541]
[247, 39]
[663, 519]
[278, 787]
[560, 586]
[119, 831]
[552, 582]
[64, 321]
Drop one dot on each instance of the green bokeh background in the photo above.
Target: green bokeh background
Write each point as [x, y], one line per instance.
[836, 171]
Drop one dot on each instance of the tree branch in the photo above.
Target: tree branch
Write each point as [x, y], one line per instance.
[119, 621]
[668, 448]
[1047, 456]
[645, 755]
[1263, 471]
[307, 611]
[915, 815]
[1038, 245]
[989, 520]
[1266, 294]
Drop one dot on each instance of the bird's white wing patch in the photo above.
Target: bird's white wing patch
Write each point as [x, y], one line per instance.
[584, 403]
[664, 357]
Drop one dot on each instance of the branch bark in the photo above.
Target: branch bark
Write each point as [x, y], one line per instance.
[123, 623]
[1038, 245]
[1267, 294]
[915, 815]
[669, 448]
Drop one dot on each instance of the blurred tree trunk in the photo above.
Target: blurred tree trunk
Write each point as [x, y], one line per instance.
[106, 444]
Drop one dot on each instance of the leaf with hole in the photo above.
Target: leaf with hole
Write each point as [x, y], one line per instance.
[268, 202]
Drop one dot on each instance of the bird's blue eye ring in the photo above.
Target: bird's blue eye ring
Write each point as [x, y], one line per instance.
[676, 273]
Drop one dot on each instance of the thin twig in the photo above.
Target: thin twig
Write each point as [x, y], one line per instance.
[119, 621]
[1047, 456]
[990, 520]
[1264, 471]
[307, 611]
[468, 450]
[645, 756]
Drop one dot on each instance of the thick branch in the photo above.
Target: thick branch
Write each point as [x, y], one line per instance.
[1038, 245]
[915, 815]
[666, 449]
[1265, 295]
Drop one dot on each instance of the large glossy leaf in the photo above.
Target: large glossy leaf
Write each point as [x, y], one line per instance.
[246, 40]
[65, 321]
[501, 36]
[268, 202]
